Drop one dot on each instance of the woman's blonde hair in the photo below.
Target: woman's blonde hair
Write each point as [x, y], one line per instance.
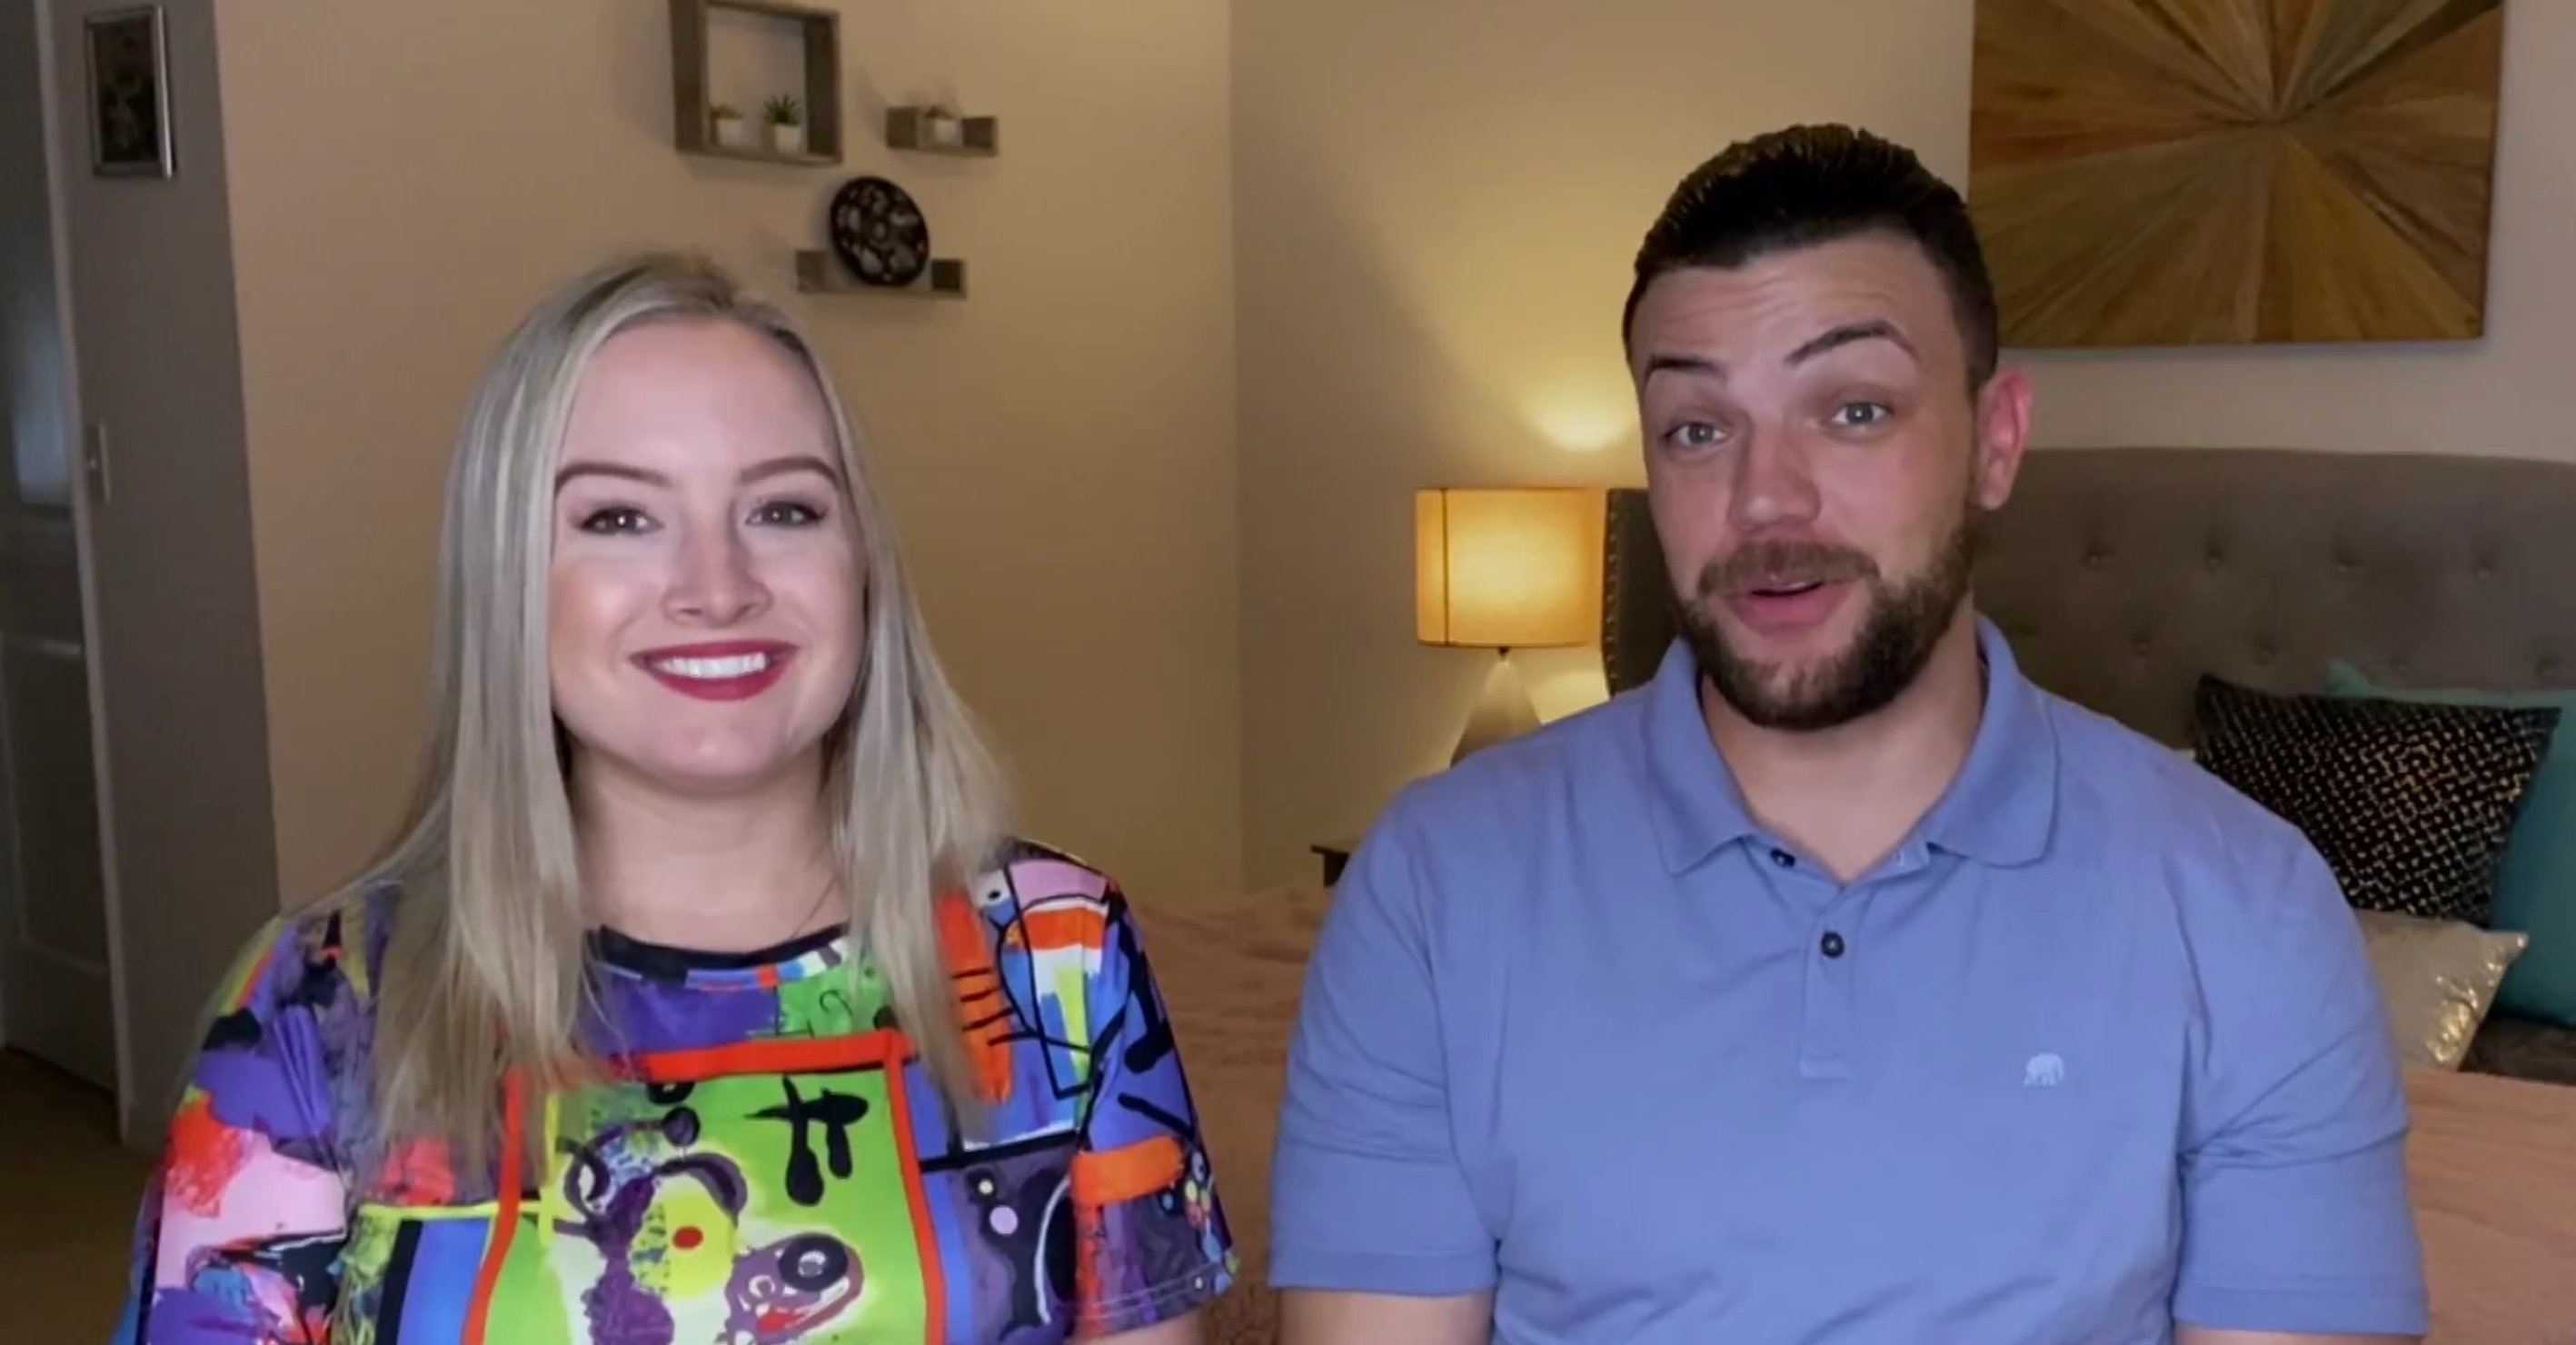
[485, 973]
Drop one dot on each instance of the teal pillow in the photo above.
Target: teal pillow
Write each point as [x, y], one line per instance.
[2535, 888]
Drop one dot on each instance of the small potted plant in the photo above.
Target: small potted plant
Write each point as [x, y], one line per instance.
[732, 131]
[786, 117]
[941, 127]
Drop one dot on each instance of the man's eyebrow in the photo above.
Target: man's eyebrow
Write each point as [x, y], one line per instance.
[1849, 333]
[1684, 364]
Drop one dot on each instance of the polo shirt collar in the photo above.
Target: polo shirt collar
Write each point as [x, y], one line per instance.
[1999, 809]
[1696, 807]
[2003, 804]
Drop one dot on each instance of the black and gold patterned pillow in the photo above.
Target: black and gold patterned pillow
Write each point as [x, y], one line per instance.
[2409, 803]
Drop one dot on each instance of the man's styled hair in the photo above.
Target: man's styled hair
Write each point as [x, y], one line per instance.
[1805, 185]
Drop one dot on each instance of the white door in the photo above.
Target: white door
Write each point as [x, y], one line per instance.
[54, 962]
[56, 1000]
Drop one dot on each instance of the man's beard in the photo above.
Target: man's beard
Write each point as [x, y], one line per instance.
[1903, 624]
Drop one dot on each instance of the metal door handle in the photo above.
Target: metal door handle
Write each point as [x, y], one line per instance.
[94, 464]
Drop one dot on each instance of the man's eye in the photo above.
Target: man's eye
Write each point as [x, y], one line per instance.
[1862, 414]
[615, 519]
[1695, 434]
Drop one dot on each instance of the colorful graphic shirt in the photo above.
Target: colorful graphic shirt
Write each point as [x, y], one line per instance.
[769, 1164]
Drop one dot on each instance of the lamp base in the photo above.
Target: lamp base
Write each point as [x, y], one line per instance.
[1502, 712]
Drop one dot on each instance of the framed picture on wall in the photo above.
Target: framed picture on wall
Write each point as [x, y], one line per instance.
[129, 93]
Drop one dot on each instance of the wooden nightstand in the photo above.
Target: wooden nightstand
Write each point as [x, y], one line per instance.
[1335, 855]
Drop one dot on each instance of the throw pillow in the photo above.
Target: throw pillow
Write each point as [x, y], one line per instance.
[2437, 978]
[2535, 883]
[2409, 803]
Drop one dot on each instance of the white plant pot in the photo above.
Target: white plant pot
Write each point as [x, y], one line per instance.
[734, 133]
[787, 139]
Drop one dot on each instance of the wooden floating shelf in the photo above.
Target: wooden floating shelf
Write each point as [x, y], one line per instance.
[778, 9]
[822, 273]
[762, 154]
[909, 128]
[692, 109]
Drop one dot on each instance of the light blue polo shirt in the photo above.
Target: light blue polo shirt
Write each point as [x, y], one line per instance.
[2095, 1051]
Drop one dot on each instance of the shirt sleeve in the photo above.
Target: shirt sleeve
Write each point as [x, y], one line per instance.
[2296, 1212]
[1366, 1192]
[1152, 1241]
[238, 1240]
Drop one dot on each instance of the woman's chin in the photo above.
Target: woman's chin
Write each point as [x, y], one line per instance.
[714, 771]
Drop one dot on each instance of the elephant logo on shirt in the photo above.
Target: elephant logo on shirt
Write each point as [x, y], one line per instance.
[2045, 1070]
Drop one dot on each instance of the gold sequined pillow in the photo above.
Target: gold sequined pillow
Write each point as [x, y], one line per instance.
[2438, 978]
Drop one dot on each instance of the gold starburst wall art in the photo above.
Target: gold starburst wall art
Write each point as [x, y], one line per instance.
[2223, 172]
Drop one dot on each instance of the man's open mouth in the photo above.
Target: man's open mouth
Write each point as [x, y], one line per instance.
[1786, 590]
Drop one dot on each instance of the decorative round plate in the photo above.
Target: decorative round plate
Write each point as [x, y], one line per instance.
[879, 233]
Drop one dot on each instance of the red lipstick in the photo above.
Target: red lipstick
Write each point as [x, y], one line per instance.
[724, 670]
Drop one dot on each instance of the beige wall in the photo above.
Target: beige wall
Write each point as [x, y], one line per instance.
[177, 619]
[1059, 447]
[1436, 206]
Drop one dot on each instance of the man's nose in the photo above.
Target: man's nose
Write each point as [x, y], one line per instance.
[1773, 486]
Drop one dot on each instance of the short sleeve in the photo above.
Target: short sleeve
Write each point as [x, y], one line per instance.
[243, 1219]
[2296, 1214]
[1151, 1237]
[1366, 1193]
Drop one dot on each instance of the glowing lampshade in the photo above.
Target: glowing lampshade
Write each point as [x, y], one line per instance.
[1507, 568]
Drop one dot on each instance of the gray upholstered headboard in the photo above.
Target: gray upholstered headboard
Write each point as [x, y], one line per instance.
[2121, 575]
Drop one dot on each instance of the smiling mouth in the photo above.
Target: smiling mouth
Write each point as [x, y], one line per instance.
[712, 669]
[718, 672]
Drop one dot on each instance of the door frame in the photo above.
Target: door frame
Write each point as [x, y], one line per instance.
[51, 126]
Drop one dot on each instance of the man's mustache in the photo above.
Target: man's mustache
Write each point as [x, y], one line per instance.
[1768, 565]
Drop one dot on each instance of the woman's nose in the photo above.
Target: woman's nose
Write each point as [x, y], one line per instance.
[717, 583]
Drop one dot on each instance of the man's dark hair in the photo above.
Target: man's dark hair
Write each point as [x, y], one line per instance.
[1805, 185]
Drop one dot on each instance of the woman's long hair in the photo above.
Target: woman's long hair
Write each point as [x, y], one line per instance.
[485, 972]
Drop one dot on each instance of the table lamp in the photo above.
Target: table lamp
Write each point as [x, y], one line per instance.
[1505, 569]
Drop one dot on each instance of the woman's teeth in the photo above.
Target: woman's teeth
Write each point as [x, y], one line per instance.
[713, 669]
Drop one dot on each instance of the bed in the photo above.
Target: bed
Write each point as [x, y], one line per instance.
[2122, 576]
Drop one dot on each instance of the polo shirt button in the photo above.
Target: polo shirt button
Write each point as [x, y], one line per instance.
[1784, 859]
[1832, 944]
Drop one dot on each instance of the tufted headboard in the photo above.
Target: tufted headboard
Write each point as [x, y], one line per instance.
[2121, 575]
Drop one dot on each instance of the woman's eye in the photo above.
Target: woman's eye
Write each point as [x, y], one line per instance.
[1860, 415]
[788, 514]
[616, 518]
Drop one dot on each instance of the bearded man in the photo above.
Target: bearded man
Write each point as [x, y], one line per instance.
[1841, 985]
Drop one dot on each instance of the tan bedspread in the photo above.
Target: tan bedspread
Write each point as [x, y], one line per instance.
[2493, 1159]
[1230, 970]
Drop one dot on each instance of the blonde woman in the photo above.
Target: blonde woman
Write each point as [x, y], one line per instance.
[704, 999]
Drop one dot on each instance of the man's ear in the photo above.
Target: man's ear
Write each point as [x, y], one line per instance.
[2003, 435]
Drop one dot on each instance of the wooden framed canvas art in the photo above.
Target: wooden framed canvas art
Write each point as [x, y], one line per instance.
[2224, 172]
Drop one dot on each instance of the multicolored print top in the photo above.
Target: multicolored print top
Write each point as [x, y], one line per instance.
[769, 1165]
